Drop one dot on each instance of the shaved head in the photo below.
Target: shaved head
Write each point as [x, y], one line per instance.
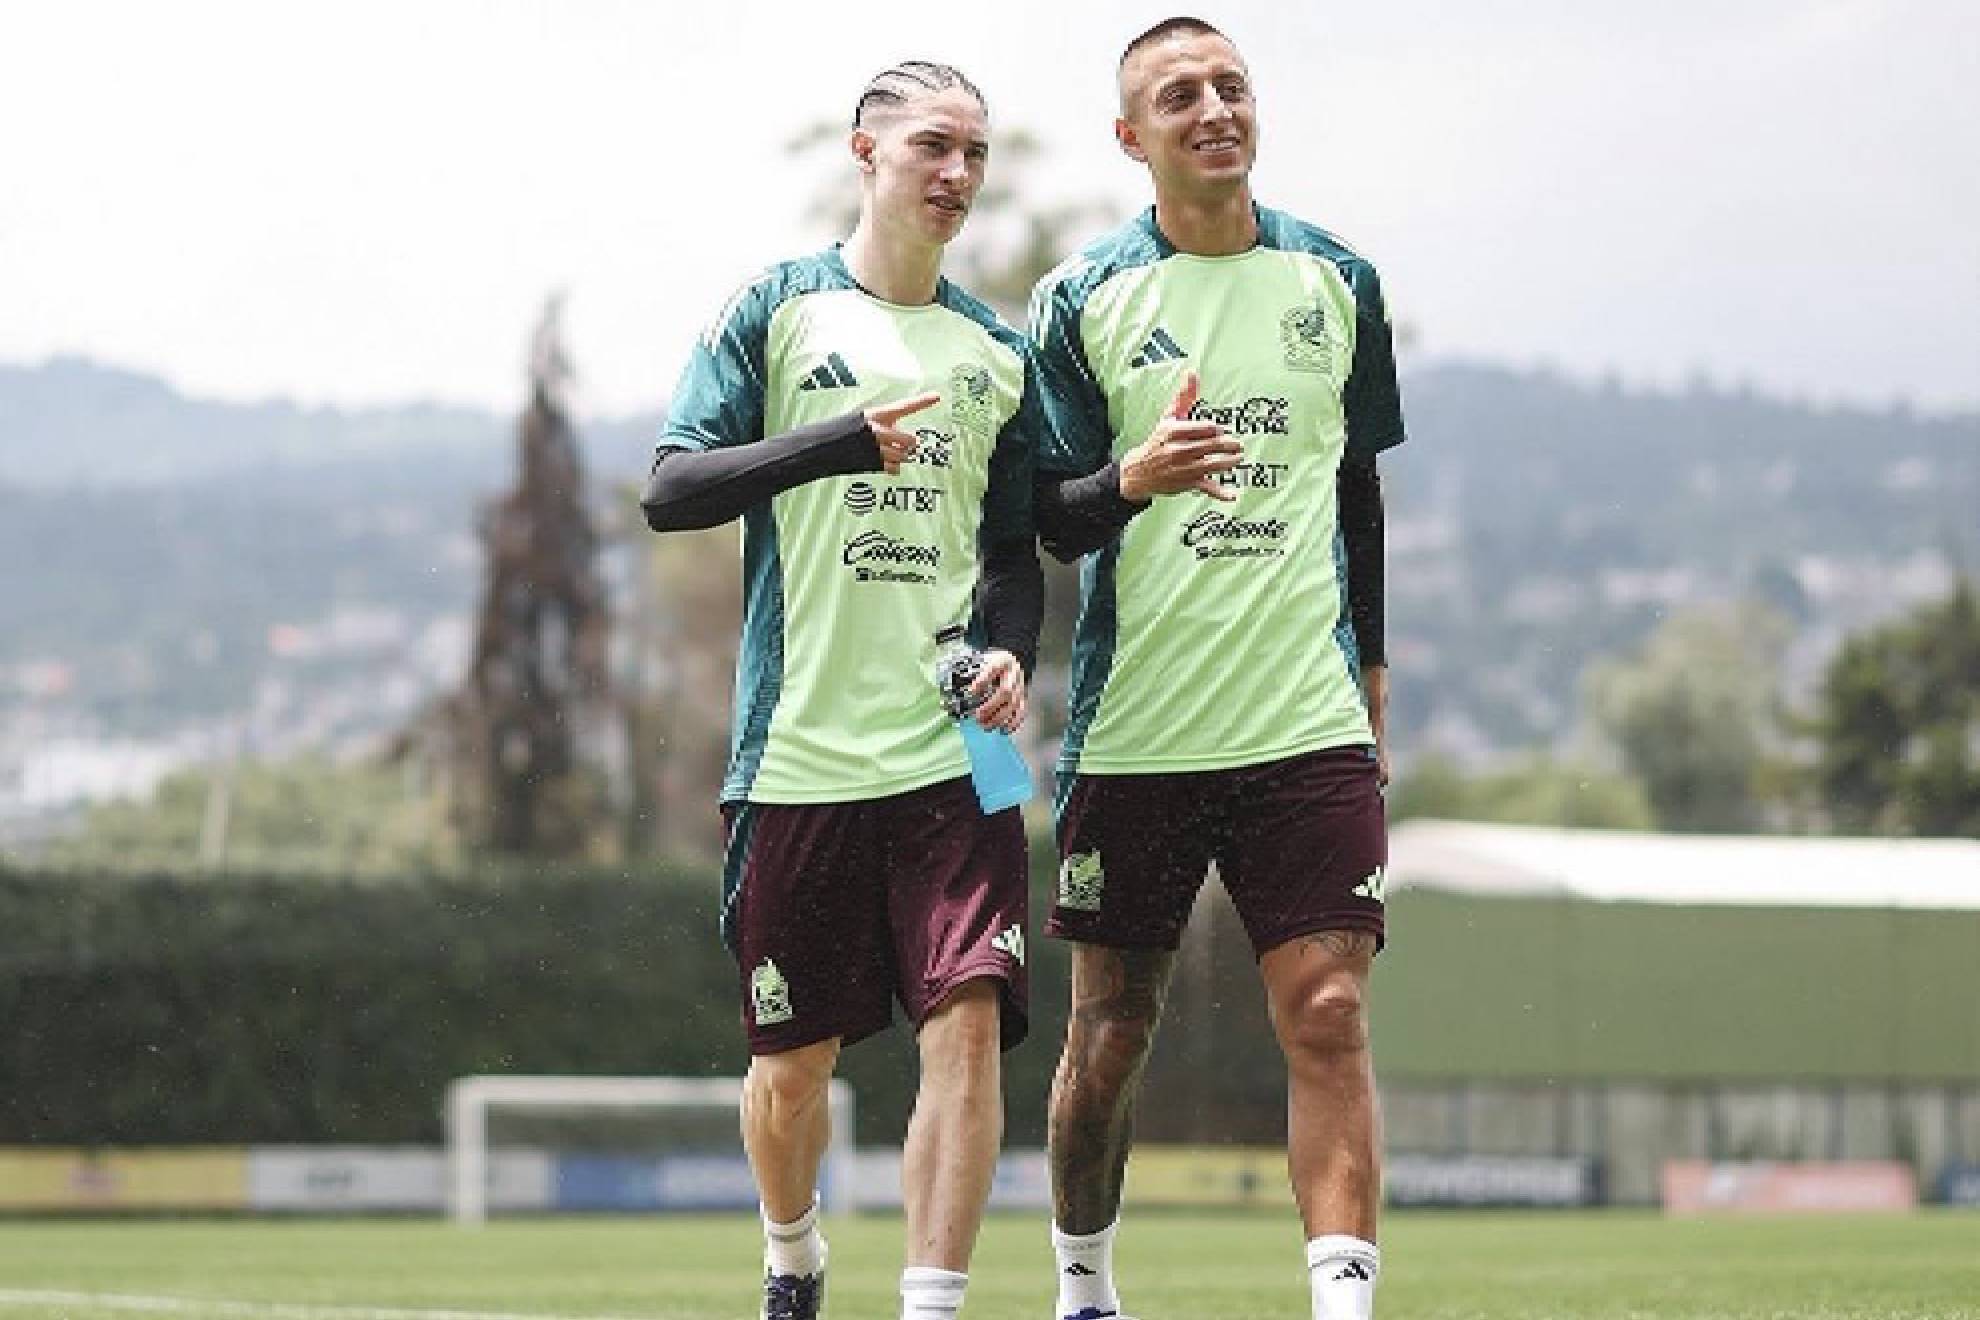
[1128, 74]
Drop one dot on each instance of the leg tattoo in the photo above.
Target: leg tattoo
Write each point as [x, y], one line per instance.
[1117, 1000]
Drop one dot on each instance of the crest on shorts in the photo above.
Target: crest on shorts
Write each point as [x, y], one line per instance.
[970, 400]
[770, 994]
[1080, 882]
[1308, 342]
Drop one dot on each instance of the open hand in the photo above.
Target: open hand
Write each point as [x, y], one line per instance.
[1180, 454]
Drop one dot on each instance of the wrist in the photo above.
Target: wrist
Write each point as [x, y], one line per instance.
[1128, 488]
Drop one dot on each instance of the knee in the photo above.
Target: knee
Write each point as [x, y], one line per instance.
[963, 1038]
[782, 1087]
[1324, 1022]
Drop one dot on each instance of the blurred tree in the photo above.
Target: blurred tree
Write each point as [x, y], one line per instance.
[1536, 791]
[1898, 721]
[1692, 715]
[309, 814]
[525, 748]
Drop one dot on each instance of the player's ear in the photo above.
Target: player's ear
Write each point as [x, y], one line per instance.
[1124, 134]
[863, 144]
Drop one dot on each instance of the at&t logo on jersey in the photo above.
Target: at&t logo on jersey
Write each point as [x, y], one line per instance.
[863, 498]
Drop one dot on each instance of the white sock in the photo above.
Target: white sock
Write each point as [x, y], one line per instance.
[794, 1248]
[1343, 1271]
[931, 1294]
[1086, 1273]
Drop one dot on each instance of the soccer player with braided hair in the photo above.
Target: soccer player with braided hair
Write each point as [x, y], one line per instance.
[873, 426]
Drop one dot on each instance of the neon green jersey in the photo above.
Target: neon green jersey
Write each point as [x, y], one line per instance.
[1215, 634]
[847, 579]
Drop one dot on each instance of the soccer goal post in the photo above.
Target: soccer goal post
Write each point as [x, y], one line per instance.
[472, 1101]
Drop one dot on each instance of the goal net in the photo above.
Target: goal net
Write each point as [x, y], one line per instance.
[555, 1144]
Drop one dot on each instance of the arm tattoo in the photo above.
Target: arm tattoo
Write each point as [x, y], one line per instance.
[1116, 1006]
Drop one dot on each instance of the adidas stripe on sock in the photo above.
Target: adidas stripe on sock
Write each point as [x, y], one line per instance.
[1086, 1273]
[1343, 1271]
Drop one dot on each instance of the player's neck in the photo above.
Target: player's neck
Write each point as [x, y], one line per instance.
[1222, 224]
[891, 269]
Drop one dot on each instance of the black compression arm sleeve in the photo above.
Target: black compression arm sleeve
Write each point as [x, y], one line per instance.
[1078, 516]
[693, 488]
[1010, 599]
[1360, 494]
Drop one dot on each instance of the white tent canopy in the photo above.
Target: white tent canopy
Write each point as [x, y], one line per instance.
[1747, 870]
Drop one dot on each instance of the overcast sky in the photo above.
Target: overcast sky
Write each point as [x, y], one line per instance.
[365, 202]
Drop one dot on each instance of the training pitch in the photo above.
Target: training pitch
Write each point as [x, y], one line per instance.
[1619, 1266]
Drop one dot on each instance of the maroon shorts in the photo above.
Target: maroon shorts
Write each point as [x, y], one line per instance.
[1301, 845]
[836, 910]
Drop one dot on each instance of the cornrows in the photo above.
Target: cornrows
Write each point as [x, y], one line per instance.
[907, 80]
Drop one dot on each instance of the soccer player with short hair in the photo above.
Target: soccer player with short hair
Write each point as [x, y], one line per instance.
[873, 426]
[1220, 378]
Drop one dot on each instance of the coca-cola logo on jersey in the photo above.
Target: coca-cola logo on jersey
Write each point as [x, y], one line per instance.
[933, 448]
[1215, 535]
[1262, 415]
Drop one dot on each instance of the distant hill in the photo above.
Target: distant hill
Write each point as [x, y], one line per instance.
[1536, 522]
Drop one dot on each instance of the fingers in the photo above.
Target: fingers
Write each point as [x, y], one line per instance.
[1215, 489]
[1001, 689]
[1185, 397]
[895, 446]
[889, 413]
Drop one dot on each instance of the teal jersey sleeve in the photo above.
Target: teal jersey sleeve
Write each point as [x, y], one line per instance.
[1007, 498]
[1075, 438]
[719, 400]
[1370, 400]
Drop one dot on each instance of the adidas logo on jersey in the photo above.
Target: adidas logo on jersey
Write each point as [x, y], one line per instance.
[1159, 348]
[831, 374]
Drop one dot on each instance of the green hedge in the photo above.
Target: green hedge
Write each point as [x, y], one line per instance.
[172, 1009]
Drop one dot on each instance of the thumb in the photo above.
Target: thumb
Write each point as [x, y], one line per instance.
[888, 414]
[1185, 397]
[1216, 490]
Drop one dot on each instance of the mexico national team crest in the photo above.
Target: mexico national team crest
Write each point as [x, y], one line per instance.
[1309, 343]
[770, 994]
[970, 401]
[1080, 882]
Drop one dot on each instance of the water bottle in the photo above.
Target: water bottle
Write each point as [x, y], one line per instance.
[996, 766]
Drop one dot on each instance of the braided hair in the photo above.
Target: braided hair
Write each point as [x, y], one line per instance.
[907, 80]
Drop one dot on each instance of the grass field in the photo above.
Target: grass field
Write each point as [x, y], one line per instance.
[1618, 1266]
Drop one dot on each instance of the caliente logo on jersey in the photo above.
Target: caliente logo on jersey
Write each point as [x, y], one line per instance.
[877, 556]
[1216, 535]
